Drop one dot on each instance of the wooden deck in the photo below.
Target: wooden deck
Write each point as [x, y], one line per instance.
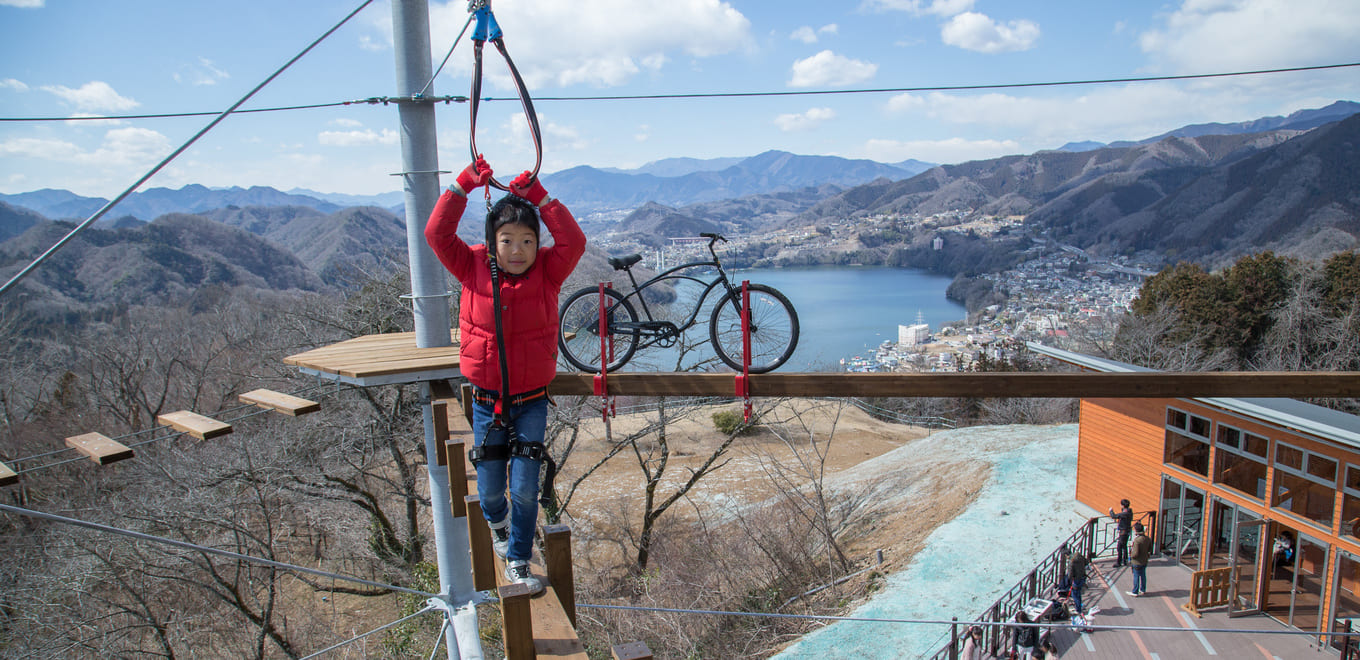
[1160, 607]
[388, 359]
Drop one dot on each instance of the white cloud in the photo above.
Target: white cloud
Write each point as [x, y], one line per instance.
[121, 148]
[13, 84]
[1223, 35]
[1131, 112]
[978, 32]
[202, 72]
[368, 43]
[347, 123]
[827, 69]
[952, 150]
[943, 8]
[27, 4]
[357, 138]
[643, 133]
[804, 121]
[556, 137]
[601, 43]
[808, 35]
[96, 97]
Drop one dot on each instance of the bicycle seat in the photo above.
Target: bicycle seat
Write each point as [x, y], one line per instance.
[622, 263]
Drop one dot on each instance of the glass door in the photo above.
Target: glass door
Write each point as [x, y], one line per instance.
[1182, 517]
[1309, 588]
[1246, 565]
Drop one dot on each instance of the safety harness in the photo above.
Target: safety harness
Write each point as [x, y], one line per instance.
[487, 28]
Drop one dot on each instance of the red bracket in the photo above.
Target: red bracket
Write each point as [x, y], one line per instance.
[601, 380]
[744, 378]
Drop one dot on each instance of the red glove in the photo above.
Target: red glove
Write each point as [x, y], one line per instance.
[474, 175]
[527, 186]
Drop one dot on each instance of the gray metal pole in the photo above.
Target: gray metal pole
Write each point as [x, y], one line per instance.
[420, 182]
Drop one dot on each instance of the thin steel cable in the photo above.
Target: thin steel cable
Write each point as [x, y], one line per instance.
[375, 630]
[105, 209]
[448, 55]
[949, 622]
[439, 639]
[705, 95]
[212, 551]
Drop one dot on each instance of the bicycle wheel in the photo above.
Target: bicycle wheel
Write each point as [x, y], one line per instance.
[579, 329]
[774, 329]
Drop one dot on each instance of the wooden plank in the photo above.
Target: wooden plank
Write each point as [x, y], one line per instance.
[439, 415]
[631, 651]
[194, 424]
[99, 447]
[1025, 385]
[7, 476]
[284, 403]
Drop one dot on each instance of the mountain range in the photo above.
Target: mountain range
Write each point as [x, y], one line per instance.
[1204, 197]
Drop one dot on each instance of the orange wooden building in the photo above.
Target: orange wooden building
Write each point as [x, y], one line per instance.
[1227, 478]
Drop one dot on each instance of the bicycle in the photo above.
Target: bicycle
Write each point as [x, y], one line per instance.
[773, 321]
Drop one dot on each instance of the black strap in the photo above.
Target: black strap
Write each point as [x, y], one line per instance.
[500, 339]
[476, 96]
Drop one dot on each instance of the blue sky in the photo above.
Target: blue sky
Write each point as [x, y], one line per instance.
[82, 57]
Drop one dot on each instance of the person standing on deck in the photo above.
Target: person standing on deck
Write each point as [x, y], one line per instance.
[1123, 521]
[1138, 559]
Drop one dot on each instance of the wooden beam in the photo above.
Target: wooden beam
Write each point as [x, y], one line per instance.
[99, 447]
[439, 413]
[557, 561]
[1139, 385]
[194, 424]
[518, 630]
[479, 542]
[7, 476]
[284, 403]
[458, 486]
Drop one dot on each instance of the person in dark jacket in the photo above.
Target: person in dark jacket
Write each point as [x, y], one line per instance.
[529, 278]
[1026, 637]
[1123, 522]
[1077, 573]
[1138, 559]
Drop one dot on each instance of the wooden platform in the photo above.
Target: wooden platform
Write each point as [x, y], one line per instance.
[284, 403]
[99, 448]
[194, 424]
[388, 359]
[1167, 589]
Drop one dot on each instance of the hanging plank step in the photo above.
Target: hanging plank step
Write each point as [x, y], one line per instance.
[194, 424]
[7, 476]
[284, 403]
[99, 447]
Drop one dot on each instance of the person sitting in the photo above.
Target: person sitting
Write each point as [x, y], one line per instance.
[1283, 551]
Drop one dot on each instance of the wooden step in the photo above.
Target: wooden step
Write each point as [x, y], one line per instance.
[284, 403]
[99, 447]
[194, 424]
[7, 476]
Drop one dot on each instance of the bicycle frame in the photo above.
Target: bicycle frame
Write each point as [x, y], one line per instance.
[673, 274]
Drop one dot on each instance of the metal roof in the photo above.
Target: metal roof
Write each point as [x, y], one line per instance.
[1314, 420]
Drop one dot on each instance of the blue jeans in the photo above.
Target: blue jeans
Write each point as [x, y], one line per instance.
[1076, 593]
[520, 474]
[1139, 578]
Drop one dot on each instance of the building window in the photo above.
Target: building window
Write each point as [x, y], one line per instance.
[1350, 503]
[1302, 484]
[1187, 441]
[1240, 462]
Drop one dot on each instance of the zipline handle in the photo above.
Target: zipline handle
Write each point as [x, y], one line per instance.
[488, 29]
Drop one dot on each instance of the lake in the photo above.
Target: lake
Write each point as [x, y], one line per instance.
[848, 311]
[842, 312]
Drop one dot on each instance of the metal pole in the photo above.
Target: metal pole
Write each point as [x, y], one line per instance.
[420, 182]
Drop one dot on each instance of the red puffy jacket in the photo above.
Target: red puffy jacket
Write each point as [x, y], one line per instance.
[529, 301]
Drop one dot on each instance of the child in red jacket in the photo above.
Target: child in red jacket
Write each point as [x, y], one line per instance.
[509, 419]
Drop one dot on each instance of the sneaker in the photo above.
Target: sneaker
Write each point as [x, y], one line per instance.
[518, 571]
[1131, 593]
[500, 537]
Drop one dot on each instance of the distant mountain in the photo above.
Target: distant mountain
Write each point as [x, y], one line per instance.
[1301, 120]
[1208, 199]
[751, 214]
[15, 220]
[155, 202]
[339, 247]
[392, 201]
[679, 166]
[166, 262]
[591, 190]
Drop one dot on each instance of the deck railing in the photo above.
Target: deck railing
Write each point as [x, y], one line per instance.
[1097, 537]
